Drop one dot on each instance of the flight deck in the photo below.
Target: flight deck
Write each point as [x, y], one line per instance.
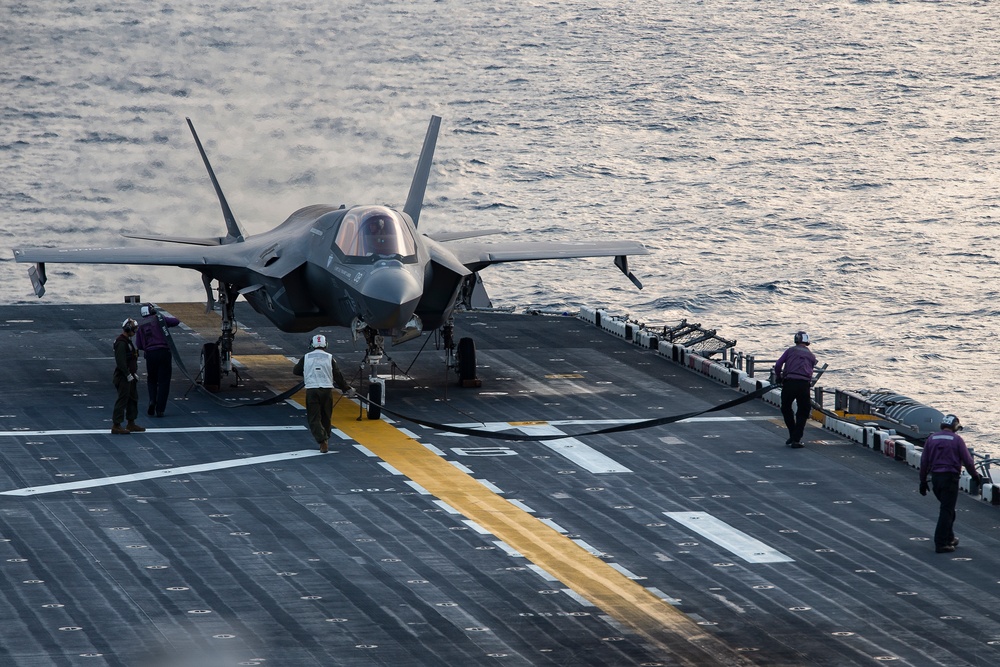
[221, 536]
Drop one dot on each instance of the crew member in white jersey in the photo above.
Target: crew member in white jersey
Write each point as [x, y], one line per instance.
[319, 370]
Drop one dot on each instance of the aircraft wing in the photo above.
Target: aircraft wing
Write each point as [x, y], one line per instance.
[455, 236]
[192, 257]
[476, 256]
[187, 257]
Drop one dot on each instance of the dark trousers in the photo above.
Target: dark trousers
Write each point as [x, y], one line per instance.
[945, 487]
[158, 371]
[319, 412]
[127, 403]
[798, 392]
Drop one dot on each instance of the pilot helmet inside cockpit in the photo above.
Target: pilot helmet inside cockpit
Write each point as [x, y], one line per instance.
[374, 231]
[378, 232]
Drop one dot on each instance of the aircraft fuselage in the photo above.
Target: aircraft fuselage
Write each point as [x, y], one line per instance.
[351, 273]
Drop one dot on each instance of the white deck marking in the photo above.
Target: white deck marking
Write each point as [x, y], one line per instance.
[159, 474]
[511, 551]
[419, 489]
[521, 506]
[579, 598]
[490, 485]
[748, 548]
[156, 431]
[446, 507]
[628, 573]
[541, 572]
[389, 468]
[593, 550]
[432, 448]
[663, 596]
[576, 451]
[553, 525]
[502, 426]
[582, 455]
[476, 527]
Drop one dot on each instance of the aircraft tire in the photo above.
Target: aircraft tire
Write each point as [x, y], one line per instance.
[375, 400]
[466, 362]
[211, 367]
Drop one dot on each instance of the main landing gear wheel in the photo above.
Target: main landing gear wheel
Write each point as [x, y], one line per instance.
[211, 367]
[467, 363]
[375, 400]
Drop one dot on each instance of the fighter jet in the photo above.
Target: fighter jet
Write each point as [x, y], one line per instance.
[364, 267]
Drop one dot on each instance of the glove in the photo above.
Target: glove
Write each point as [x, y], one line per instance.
[350, 393]
[131, 378]
[923, 488]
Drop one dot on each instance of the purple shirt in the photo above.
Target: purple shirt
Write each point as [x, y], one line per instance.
[150, 334]
[945, 451]
[798, 363]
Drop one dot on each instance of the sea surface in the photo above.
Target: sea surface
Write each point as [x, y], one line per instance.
[828, 166]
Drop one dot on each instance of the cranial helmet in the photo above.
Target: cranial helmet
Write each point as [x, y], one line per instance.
[951, 421]
[147, 310]
[129, 325]
[801, 337]
[318, 341]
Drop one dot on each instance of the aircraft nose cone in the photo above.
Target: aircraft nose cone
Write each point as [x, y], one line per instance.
[390, 297]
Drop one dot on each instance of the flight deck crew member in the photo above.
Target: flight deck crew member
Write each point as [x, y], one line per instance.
[943, 457]
[319, 370]
[126, 381]
[151, 338]
[794, 372]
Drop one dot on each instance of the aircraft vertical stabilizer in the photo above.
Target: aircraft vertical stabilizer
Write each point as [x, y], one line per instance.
[415, 200]
[236, 232]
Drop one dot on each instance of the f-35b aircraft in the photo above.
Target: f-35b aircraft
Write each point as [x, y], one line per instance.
[364, 267]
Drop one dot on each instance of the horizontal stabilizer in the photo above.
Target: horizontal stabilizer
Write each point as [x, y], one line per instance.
[176, 239]
[621, 261]
[37, 275]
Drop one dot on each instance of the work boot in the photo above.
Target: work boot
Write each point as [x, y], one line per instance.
[132, 427]
[945, 549]
[118, 430]
[324, 447]
[151, 409]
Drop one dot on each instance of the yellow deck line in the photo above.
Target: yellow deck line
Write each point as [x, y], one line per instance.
[577, 569]
[587, 575]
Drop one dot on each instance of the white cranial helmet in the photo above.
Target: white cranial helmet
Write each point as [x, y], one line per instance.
[318, 341]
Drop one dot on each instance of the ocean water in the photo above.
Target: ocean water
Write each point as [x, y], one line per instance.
[827, 166]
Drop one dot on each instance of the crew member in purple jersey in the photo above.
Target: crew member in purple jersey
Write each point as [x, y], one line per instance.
[943, 457]
[794, 372]
[152, 339]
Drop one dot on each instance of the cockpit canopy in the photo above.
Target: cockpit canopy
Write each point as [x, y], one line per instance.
[374, 231]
